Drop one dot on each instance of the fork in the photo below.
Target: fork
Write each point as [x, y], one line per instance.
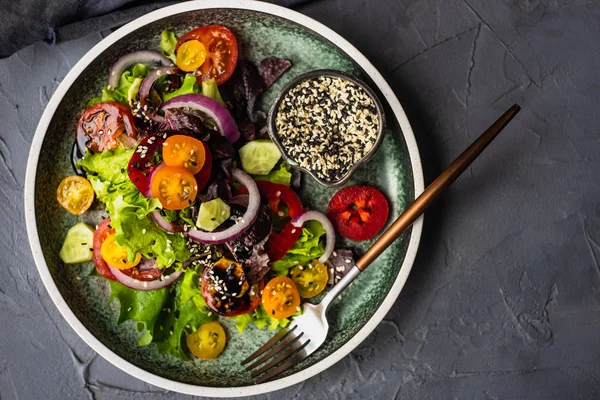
[307, 332]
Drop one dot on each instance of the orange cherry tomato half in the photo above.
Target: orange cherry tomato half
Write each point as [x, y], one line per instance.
[191, 55]
[175, 187]
[280, 297]
[184, 151]
[221, 51]
[75, 194]
[116, 255]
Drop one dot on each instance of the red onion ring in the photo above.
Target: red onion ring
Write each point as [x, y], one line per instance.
[304, 216]
[208, 106]
[148, 193]
[146, 57]
[163, 223]
[146, 86]
[136, 284]
[245, 222]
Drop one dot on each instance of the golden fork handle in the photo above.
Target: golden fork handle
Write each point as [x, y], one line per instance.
[434, 190]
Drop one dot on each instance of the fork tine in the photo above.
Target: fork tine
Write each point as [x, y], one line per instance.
[281, 356]
[276, 338]
[294, 359]
[288, 340]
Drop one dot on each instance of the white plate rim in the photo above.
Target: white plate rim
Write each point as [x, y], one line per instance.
[35, 245]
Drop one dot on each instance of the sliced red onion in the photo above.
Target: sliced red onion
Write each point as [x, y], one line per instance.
[148, 194]
[146, 57]
[163, 223]
[304, 216]
[146, 86]
[136, 284]
[240, 200]
[211, 108]
[245, 222]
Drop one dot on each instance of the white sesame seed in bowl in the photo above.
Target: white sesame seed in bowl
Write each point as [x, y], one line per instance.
[327, 124]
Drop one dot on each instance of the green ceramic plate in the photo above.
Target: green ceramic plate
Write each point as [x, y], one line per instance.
[262, 30]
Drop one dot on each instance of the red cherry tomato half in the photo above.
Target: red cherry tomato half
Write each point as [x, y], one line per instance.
[281, 198]
[358, 212]
[203, 176]
[283, 201]
[281, 242]
[100, 127]
[221, 51]
[141, 165]
[101, 233]
[144, 276]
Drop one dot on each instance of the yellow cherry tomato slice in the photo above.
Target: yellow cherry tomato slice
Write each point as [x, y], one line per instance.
[191, 55]
[280, 297]
[310, 279]
[75, 194]
[175, 187]
[184, 151]
[116, 255]
[208, 341]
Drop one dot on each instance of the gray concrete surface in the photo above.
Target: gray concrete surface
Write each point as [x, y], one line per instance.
[504, 298]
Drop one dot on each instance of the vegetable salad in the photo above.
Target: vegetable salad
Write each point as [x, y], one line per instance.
[204, 219]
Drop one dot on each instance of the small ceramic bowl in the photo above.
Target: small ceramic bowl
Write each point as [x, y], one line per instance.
[334, 74]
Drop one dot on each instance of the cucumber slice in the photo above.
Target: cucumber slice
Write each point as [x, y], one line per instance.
[259, 156]
[77, 245]
[212, 214]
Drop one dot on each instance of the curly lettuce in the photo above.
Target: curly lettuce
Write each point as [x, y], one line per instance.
[261, 319]
[282, 175]
[167, 44]
[308, 247]
[167, 315]
[129, 209]
[129, 86]
[183, 316]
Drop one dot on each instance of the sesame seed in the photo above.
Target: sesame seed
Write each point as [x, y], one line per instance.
[327, 124]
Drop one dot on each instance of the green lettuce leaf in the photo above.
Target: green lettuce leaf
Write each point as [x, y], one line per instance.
[129, 209]
[109, 165]
[107, 95]
[167, 44]
[129, 86]
[261, 318]
[308, 247]
[210, 89]
[185, 313]
[142, 235]
[281, 175]
[189, 85]
[186, 216]
[144, 307]
[167, 315]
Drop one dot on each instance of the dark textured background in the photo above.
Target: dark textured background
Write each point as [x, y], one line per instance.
[504, 298]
